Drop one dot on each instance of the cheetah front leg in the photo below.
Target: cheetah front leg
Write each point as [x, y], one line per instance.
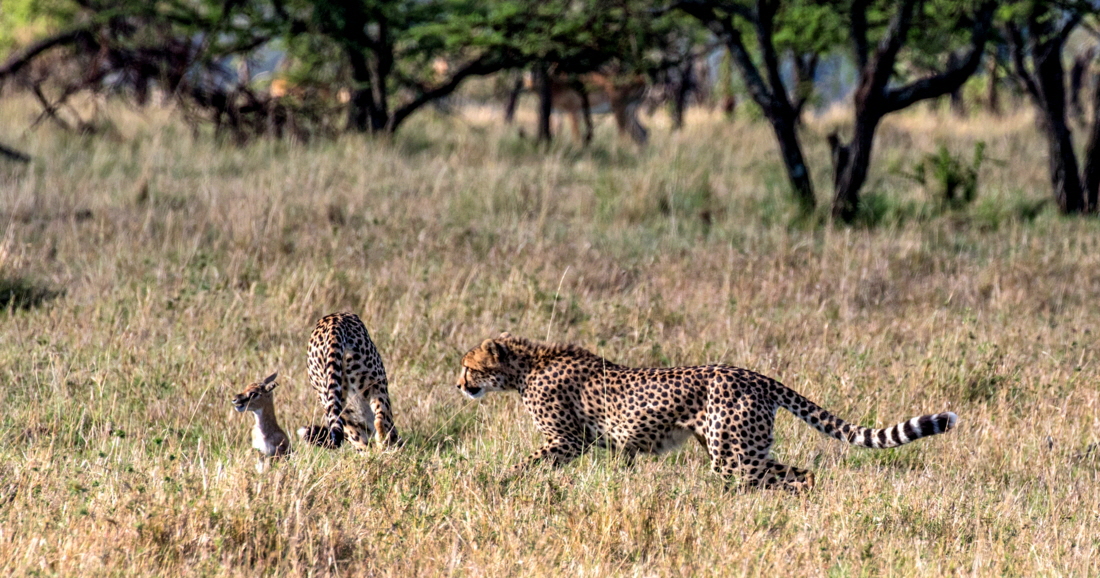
[557, 451]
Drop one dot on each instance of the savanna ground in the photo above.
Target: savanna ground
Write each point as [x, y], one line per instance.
[168, 271]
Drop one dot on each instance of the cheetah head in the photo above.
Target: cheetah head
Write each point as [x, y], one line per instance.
[255, 396]
[488, 367]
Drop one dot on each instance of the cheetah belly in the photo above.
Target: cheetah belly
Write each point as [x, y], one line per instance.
[358, 410]
[672, 440]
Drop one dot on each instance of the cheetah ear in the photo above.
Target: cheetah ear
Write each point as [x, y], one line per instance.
[499, 352]
[505, 335]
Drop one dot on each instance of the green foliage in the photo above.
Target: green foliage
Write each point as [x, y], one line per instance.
[22, 293]
[956, 183]
[809, 27]
[22, 21]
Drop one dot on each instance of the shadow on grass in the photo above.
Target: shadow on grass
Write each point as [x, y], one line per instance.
[22, 293]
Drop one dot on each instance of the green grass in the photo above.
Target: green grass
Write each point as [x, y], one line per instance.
[182, 270]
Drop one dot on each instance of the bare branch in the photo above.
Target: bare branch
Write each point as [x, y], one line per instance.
[50, 110]
[951, 79]
[887, 52]
[765, 12]
[859, 32]
[14, 155]
[18, 61]
[1016, 48]
[479, 67]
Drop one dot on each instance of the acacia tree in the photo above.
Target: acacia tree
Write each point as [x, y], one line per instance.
[875, 96]
[877, 93]
[388, 48]
[124, 45]
[765, 20]
[1036, 33]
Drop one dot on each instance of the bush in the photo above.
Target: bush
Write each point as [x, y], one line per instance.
[956, 183]
[21, 293]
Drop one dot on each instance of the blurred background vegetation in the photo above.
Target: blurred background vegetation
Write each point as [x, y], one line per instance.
[307, 69]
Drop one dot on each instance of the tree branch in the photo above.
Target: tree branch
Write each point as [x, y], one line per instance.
[754, 82]
[723, 27]
[859, 32]
[951, 79]
[1016, 48]
[887, 52]
[765, 12]
[480, 67]
[14, 155]
[18, 61]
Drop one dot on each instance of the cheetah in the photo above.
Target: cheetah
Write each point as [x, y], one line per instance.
[579, 400]
[267, 436]
[348, 376]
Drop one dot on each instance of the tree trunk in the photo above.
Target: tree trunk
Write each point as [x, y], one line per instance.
[679, 98]
[856, 160]
[1091, 172]
[513, 100]
[1050, 81]
[786, 132]
[777, 109]
[993, 103]
[545, 102]
[361, 107]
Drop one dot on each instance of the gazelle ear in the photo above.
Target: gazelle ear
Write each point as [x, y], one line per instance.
[271, 378]
[269, 383]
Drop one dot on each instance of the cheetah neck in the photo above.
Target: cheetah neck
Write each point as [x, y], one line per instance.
[534, 357]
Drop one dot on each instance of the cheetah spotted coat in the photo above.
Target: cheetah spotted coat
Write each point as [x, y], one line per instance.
[579, 400]
[348, 376]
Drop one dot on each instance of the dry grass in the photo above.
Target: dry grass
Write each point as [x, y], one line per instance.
[187, 269]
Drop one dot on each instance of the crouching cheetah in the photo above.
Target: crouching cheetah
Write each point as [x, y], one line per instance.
[579, 400]
[347, 374]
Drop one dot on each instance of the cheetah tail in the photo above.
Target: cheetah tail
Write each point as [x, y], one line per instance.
[336, 397]
[316, 435]
[888, 437]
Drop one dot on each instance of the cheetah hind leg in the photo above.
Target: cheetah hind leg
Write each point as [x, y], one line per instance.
[771, 474]
[359, 433]
[384, 431]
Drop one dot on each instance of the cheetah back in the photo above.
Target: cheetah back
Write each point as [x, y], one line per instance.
[347, 373]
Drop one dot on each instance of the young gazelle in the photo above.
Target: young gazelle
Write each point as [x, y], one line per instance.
[267, 436]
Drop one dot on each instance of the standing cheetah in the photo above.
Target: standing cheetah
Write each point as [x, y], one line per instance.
[347, 374]
[579, 400]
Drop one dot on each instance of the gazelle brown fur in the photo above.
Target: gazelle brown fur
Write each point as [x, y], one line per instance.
[267, 436]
